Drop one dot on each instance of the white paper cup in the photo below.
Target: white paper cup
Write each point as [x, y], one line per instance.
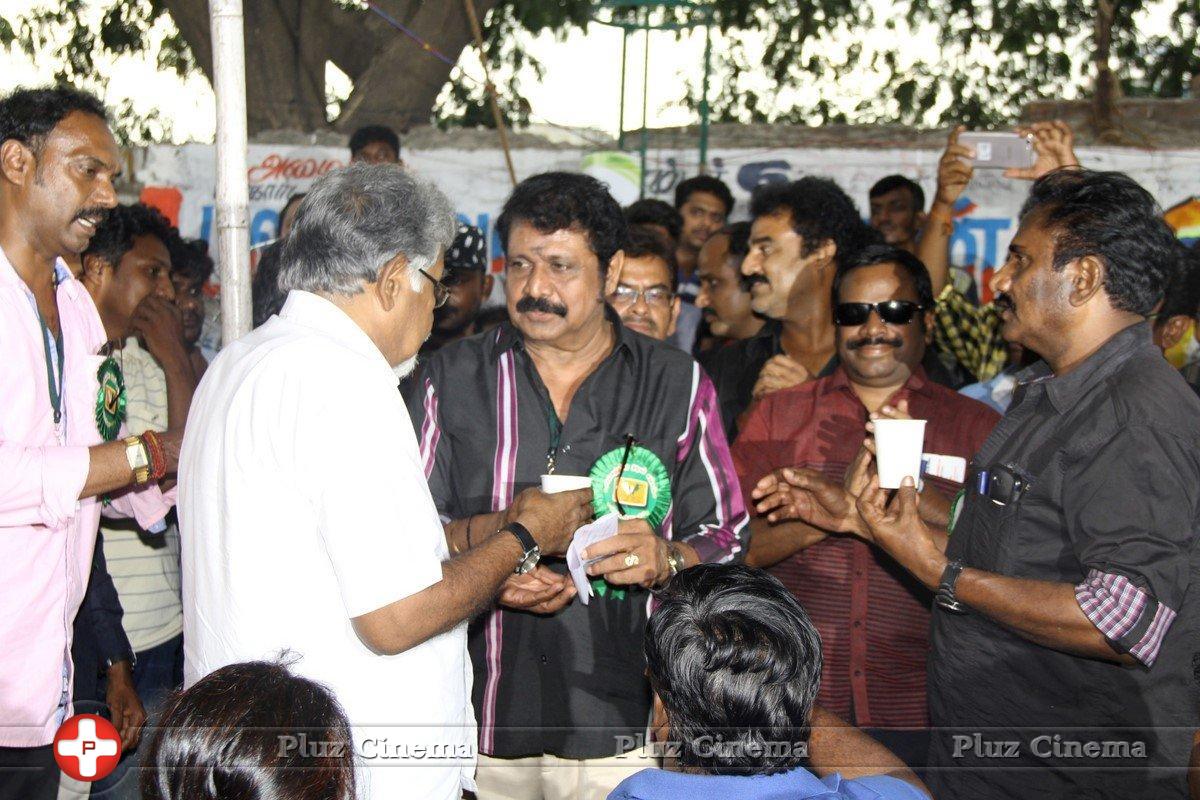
[898, 447]
[553, 484]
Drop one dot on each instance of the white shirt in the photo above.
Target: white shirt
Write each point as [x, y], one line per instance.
[302, 504]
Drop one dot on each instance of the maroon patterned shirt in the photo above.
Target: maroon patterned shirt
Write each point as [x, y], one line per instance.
[872, 616]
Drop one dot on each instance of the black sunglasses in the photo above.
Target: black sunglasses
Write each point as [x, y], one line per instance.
[893, 312]
[441, 292]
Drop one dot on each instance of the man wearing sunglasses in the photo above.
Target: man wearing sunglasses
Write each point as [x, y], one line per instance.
[863, 610]
[645, 295]
[800, 233]
[470, 285]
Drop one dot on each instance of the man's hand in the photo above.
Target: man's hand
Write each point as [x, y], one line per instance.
[807, 495]
[159, 324]
[124, 705]
[955, 169]
[861, 469]
[1054, 144]
[541, 591]
[635, 542]
[552, 519]
[899, 530]
[780, 372]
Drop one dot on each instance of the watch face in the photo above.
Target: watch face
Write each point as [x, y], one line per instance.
[530, 561]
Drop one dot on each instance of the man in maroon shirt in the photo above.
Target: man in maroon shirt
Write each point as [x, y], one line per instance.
[873, 619]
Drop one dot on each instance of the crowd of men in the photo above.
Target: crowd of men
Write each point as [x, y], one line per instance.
[342, 526]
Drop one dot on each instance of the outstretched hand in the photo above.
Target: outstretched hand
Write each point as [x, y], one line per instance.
[897, 527]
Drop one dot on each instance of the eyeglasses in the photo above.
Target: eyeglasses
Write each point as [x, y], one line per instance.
[654, 296]
[893, 312]
[441, 292]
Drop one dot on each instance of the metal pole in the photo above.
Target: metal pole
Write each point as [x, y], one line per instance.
[491, 90]
[704, 91]
[621, 117]
[645, 100]
[233, 193]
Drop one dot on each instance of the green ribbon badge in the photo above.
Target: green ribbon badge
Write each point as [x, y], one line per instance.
[110, 399]
[643, 488]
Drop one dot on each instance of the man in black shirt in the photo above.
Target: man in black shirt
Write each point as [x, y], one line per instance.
[800, 233]
[565, 388]
[1065, 624]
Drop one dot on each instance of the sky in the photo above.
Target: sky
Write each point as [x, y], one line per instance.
[588, 59]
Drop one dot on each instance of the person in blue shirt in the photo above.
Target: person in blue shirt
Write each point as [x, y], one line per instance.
[735, 663]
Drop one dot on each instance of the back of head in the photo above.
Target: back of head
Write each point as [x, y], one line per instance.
[1109, 216]
[114, 237]
[354, 220]
[237, 734]
[369, 134]
[645, 243]
[737, 664]
[704, 183]
[1182, 295]
[908, 264]
[651, 211]
[557, 201]
[28, 115]
[820, 212]
[891, 183]
[266, 295]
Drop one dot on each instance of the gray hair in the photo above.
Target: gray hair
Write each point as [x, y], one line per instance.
[355, 220]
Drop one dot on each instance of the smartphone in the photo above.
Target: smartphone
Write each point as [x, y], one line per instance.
[996, 150]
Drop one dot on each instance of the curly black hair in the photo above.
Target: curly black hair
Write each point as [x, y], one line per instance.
[651, 211]
[556, 201]
[1181, 298]
[645, 243]
[704, 183]
[1110, 216]
[820, 212]
[374, 133]
[28, 115]
[114, 238]
[190, 260]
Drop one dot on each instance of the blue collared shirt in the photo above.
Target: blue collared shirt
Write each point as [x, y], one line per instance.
[798, 784]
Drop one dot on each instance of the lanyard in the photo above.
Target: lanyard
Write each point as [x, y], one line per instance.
[56, 389]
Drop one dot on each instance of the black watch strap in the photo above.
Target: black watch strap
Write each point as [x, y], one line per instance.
[945, 591]
[523, 535]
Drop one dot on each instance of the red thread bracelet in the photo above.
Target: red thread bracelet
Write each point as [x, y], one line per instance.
[158, 459]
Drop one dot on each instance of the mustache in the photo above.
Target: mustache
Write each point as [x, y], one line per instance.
[1004, 301]
[874, 340]
[96, 213]
[748, 281]
[542, 304]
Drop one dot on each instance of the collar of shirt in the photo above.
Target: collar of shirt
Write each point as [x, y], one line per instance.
[1064, 391]
[315, 312]
[839, 380]
[652, 784]
[509, 336]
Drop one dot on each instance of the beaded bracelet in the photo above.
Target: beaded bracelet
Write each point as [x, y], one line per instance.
[158, 459]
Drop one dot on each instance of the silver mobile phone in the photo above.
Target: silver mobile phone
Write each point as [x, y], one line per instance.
[998, 150]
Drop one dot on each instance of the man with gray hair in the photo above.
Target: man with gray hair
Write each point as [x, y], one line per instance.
[307, 524]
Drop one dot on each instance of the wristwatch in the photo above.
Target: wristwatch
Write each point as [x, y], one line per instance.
[532, 553]
[945, 592]
[138, 458]
[674, 559]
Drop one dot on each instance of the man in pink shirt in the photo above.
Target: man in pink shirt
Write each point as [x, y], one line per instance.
[61, 445]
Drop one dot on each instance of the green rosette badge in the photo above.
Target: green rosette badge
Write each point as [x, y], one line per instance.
[642, 490]
[110, 399]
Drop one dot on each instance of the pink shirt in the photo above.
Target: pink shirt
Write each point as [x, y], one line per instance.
[47, 533]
